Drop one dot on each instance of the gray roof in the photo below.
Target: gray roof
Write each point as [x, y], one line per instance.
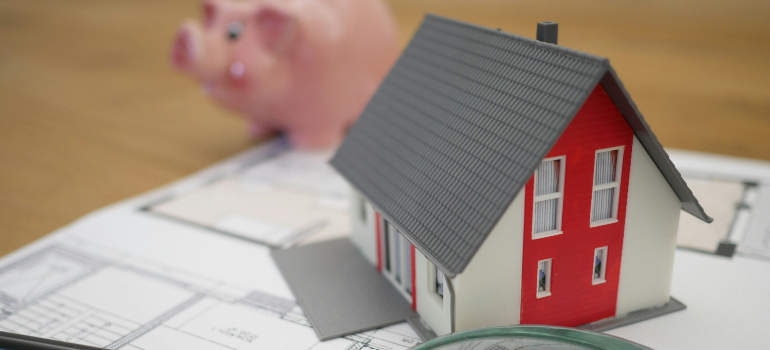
[460, 123]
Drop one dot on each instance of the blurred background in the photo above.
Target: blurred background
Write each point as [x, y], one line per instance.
[91, 111]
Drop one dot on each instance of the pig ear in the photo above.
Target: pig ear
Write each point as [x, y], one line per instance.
[210, 10]
[277, 29]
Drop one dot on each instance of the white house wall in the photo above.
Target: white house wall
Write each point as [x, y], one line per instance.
[488, 292]
[652, 219]
[435, 310]
[363, 234]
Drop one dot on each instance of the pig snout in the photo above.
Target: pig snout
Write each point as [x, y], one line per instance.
[186, 50]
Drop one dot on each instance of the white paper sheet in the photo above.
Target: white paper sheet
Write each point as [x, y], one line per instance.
[736, 193]
[276, 198]
[126, 278]
[727, 306]
[179, 267]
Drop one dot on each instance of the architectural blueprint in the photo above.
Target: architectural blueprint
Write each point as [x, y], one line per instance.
[728, 202]
[188, 266]
[129, 277]
[736, 193]
[283, 198]
[80, 292]
[277, 198]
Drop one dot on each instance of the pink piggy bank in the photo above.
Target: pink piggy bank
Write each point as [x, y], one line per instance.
[303, 67]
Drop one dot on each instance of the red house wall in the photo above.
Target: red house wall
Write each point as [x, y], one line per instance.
[574, 300]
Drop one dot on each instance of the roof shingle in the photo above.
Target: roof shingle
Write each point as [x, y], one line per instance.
[457, 128]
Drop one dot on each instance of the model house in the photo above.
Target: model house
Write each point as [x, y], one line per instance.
[501, 180]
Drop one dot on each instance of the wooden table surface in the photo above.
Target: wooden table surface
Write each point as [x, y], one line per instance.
[91, 112]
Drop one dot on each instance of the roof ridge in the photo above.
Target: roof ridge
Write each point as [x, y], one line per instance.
[442, 196]
[529, 41]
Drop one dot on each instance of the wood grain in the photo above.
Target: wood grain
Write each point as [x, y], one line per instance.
[91, 113]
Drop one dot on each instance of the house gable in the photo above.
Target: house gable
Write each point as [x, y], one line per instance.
[575, 299]
[648, 245]
[456, 129]
[647, 139]
[460, 123]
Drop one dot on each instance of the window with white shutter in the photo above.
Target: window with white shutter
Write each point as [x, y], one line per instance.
[606, 188]
[549, 195]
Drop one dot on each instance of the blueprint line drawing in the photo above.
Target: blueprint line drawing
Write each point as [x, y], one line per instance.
[276, 198]
[65, 292]
[727, 202]
[117, 344]
[38, 275]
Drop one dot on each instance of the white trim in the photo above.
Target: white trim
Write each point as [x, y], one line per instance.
[362, 210]
[603, 273]
[399, 287]
[606, 186]
[548, 274]
[545, 197]
[391, 234]
[556, 195]
[433, 279]
[406, 264]
[436, 312]
[615, 184]
[363, 234]
[545, 234]
[603, 222]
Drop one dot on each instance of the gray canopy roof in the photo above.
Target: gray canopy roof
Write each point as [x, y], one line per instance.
[459, 125]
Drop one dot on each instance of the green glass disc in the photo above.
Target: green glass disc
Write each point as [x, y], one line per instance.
[530, 338]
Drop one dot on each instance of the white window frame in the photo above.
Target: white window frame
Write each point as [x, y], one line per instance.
[363, 214]
[548, 275]
[559, 195]
[436, 277]
[386, 241]
[615, 184]
[402, 281]
[602, 274]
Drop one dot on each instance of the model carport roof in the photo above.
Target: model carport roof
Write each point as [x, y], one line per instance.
[460, 124]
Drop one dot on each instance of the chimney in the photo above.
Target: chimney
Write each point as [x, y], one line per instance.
[548, 32]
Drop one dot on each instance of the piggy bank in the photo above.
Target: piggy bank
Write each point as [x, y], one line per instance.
[305, 68]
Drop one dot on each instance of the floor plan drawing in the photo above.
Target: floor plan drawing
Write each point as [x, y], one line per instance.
[276, 199]
[188, 265]
[65, 292]
[736, 193]
[756, 238]
[730, 203]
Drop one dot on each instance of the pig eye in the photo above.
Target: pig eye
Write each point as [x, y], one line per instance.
[234, 30]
